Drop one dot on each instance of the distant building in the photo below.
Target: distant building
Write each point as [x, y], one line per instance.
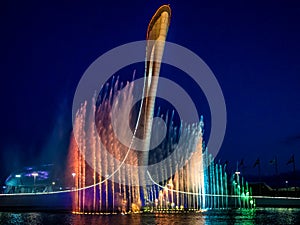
[33, 179]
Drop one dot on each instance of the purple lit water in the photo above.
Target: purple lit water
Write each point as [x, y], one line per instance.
[272, 216]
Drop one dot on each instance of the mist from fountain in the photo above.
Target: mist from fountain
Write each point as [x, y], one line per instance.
[108, 184]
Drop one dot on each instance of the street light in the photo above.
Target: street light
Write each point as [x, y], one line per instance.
[73, 175]
[237, 173]
[34, 174]
[18, 176]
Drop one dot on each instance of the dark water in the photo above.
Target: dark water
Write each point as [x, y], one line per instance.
[258, 216]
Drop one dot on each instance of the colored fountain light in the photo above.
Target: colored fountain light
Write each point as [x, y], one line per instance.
[105, 185]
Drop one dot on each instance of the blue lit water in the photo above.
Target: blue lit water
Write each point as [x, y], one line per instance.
[259, 216]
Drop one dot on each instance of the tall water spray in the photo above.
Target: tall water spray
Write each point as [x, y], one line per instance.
[105, 171]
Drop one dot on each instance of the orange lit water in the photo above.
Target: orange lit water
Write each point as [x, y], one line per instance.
[253, 217]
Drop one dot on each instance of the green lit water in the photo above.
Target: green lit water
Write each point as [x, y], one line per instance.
[271, 216]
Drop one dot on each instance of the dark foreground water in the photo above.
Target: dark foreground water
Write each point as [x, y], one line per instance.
[258, 216]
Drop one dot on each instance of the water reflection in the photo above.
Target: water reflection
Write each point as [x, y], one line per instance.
[247, 217]
[177, 219]
[11, 218]
[33, 218]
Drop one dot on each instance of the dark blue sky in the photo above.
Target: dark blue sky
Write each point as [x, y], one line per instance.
[253, 50]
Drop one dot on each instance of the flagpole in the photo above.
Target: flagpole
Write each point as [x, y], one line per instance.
[259, 177]
[294, 168]
[292, 160]
[259, 173]
[276, 166]
[294, 165]
[276, 171]
[257, 163]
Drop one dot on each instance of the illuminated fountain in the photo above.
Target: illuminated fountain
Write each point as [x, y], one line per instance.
[103, 172]
[199, 184]
[104, 194]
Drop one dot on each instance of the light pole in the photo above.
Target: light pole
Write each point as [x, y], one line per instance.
[237, 173]
[19, 180]
[73, 175]
[34, 174]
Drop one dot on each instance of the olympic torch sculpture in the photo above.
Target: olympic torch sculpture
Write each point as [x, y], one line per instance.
[156, 36]
[199, 184]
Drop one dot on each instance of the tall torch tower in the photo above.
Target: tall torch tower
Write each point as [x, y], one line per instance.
[156, 36]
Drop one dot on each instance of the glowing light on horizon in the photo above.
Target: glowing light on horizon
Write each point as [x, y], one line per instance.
[35, 174]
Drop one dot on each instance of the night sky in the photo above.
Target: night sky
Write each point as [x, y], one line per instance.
[253, 50]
